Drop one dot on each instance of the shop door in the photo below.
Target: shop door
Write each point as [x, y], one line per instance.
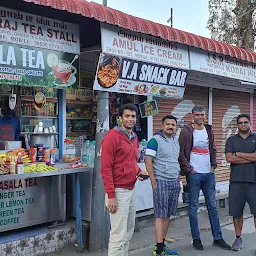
[227, 105]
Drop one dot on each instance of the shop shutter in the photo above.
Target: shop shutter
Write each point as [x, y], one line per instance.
[194, 95]
[227, 105]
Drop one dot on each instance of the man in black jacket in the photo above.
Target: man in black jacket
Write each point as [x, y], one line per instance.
[198, 161]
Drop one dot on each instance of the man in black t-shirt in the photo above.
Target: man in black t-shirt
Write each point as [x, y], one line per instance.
[241, 153]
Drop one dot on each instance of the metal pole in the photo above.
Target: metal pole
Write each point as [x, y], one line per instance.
[210, 107]
[105, 2]
[171, 17]
[99, 227]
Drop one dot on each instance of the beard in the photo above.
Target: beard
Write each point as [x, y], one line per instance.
[244, 131]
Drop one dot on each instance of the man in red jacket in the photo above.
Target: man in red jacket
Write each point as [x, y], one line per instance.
[119, 170]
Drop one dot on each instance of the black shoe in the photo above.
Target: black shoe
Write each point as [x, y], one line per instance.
[222, 244]
[197, 244]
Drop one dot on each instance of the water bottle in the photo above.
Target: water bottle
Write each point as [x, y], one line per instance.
[143, 147]
[91, 154]
[84, 152]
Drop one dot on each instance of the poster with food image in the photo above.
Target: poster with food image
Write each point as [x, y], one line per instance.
[148, 108]
[30, 66]
[123, 75]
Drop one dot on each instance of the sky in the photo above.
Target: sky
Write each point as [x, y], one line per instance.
[188, 15]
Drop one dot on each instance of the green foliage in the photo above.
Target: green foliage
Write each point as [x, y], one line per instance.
[222, 20]
[230, 21]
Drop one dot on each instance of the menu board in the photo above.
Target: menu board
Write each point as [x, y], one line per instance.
[25, 202]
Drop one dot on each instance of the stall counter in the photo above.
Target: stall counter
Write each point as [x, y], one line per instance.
[36, 198]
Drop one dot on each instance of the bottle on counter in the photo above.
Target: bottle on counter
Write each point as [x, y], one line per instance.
[13, 164]
[53, 156]
[84, 152]
[142, 149]
[91, 154]
[19, 164]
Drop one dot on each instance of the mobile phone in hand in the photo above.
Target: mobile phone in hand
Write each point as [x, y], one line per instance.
[143, 176]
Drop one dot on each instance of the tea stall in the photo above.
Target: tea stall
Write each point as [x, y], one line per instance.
[39, 60]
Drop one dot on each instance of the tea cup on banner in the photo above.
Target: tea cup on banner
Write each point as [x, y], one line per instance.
[63, 71]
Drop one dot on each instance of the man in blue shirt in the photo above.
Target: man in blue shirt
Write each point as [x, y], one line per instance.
[9, 124]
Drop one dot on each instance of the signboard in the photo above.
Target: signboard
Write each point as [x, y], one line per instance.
[37, 31]
[30, 66]
[148, 108]
[26, 202]
[123, 75]
[125, 43]
[222, 65]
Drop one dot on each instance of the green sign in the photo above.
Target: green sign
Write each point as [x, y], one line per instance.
[30, 66]
[148, 108]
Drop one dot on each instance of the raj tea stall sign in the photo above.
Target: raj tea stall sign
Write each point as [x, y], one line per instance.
[148, 108]
[222, 65]
[123, 75]
[126, 43]
[30, 66]
[37, 31]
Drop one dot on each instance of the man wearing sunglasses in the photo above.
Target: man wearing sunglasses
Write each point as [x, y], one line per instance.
[241, 153]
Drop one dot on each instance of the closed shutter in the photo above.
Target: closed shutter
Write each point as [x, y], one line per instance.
[181, 109]
[227, 105]
[194, 95]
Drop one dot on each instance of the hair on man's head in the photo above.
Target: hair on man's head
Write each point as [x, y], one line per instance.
[198, 108]
[243, 115]
[169, 117]
[128, 106]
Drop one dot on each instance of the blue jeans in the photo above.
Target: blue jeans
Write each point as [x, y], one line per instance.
[206, 182]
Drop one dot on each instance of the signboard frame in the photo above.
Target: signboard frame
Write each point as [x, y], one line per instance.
[36, 31]
[123, 75]
[153, 104]
[143, 47]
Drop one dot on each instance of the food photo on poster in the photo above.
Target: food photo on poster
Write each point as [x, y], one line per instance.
[29, 66]
[117, 74]
[148, 108]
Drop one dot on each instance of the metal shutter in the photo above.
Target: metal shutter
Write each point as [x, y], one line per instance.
[194, 95]
[181, 109]
[227, 105]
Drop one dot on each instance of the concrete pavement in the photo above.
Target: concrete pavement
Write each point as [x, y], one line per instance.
[143, 241]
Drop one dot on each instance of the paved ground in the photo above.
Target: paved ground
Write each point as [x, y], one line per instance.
[143, 241]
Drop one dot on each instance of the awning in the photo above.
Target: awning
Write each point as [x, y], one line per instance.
[118, 18]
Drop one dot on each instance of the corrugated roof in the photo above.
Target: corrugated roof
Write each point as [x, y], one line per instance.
[118, 18]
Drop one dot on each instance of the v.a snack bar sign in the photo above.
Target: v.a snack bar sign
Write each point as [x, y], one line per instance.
[116, 74]
[29, 66]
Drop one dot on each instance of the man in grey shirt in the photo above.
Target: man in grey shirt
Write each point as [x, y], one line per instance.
[162, 164]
